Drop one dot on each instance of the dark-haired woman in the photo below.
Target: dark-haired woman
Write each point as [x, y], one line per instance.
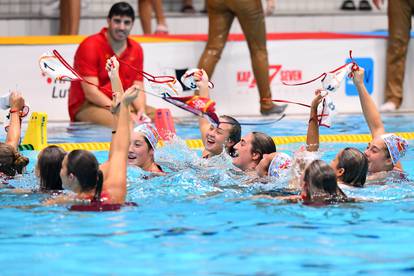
[11, 161]
[49, 164]
[385, 150]
[350, 164]
[251, 149]
[318, 186]
[351, 167]
[81, 173]
[216, 138]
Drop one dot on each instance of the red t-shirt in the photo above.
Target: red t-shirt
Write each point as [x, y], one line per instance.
[90, 60]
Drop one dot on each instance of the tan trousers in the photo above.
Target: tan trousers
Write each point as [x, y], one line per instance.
[221, 14]
[399, 26]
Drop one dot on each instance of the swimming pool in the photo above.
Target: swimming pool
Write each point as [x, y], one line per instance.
[199, 220]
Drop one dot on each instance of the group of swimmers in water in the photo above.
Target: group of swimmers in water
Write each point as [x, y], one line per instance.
[316, 181]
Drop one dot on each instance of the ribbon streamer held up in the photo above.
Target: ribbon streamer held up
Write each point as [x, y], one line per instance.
[332, 80]
[326, 109]
[54, 65]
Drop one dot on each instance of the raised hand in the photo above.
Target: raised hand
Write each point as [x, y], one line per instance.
[16, 101]
[319, 95]
[112, 67]
[130, 94]
[201, 78]
[359, 76]
[115, 104]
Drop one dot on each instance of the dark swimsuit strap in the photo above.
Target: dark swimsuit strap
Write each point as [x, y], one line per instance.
[96, 206]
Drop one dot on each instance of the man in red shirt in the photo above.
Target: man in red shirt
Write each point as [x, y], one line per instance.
[88, 103]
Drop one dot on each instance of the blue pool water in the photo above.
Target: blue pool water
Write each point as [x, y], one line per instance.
[201, 219]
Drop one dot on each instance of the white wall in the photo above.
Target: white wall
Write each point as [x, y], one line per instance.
[339, 22]
[300, 59]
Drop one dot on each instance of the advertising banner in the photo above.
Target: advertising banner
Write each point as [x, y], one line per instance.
[235, 90]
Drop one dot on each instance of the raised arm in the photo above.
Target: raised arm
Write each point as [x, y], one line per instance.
[115, 168]
[312, 136]
[115, 181]
[141, 101]
[112, 67]
[371, 114]
[201, 78]
[16, 105]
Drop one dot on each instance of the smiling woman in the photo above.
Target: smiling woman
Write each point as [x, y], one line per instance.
[385, 150]
[250, 150]
[144, 139]
[225, 135]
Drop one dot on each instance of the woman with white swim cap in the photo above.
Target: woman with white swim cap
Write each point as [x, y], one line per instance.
[216, 138]
[385, 150]
[144, 140]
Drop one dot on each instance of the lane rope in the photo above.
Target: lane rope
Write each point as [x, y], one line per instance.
[36, 138]
[198, 144]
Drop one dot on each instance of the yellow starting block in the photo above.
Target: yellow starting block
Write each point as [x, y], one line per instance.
[36, 133]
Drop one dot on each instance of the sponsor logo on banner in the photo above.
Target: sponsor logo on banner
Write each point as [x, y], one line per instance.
[58, 89]
[246, 82]
[368, 65]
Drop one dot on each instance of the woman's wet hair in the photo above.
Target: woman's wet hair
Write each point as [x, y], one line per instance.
[149, 147]
[387, 153]
[11, 161]
[388, 157]
[49, 164]
[83, 165]
[148, 143]
[234, 134]
[122, 9]
[355, 165]
[321, 182]
[262, 144]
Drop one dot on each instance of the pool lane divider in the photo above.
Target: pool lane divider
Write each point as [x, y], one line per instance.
[36, 138]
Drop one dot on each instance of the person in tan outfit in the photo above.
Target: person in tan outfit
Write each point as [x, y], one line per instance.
[399, 26]
[69, 18]
[221, 14]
